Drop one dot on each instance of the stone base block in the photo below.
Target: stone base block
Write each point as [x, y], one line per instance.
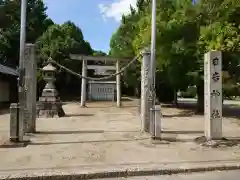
[48, 99]
[15, 143]
[50, 109]
[223, 142]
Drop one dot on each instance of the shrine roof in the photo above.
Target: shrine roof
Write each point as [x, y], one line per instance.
[7, 70]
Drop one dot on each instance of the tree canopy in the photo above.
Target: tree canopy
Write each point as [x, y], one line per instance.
[37, 24]
[185, 31]
[52, 40]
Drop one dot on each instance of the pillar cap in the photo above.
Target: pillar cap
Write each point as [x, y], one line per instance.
[146, 51]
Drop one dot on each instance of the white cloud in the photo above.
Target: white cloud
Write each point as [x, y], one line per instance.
[116, 9]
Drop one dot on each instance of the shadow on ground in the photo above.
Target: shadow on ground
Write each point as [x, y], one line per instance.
[87, 142]
[78, 115]
[184, 113]
[85, 132]
[71, 132]
[182, 132]
[189, 109]
[201, 140]
[4, 111]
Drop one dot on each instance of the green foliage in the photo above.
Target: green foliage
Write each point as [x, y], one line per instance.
[185, 31]
[191, 92]
[37, 23]
[61, 40]
[58, 42]
[122, 45]
[99, 53]
[54, 40]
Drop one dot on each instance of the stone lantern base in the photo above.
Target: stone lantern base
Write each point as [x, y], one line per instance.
[49, 104]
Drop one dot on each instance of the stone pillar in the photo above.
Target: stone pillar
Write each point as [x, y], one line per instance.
[213, 95]
[84, 84]
[118, 84]
[30, 66]
[14, 126]
[145, 90]
[157, 122]
[152, 121]
[22, 103]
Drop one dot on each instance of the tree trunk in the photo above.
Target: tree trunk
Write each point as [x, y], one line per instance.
[200, 95]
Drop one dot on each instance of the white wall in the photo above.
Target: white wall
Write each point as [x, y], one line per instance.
[4, 91]
[102, 92]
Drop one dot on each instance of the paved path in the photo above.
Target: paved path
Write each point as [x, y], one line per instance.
[103, 137]
[218, 175]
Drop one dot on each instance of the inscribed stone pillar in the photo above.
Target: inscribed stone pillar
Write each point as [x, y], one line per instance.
[145, 90]
[84, 84]
[30, 87]
[118, 84]
[213, 95]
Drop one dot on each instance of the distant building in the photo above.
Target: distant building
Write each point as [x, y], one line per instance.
[8, 85]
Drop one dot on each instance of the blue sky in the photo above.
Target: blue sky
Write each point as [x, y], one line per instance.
[98, 19]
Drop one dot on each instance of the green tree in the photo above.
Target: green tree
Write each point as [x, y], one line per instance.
[121, 45]
[37, 23]
[99, 53]
[176, 41]
[218, 25]
[58, 42]
[185, 31]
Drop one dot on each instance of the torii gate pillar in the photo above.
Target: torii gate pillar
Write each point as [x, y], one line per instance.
[84, 84]
[118, 84]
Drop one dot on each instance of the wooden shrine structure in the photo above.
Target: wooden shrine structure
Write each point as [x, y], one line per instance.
[100, 90]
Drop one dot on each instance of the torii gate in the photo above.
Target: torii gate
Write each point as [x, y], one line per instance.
[84, 60]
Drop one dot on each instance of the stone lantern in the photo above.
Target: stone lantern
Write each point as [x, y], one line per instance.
[49, 73]
[49, 103]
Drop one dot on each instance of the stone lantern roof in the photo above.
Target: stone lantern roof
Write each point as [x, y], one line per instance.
[49, 67]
